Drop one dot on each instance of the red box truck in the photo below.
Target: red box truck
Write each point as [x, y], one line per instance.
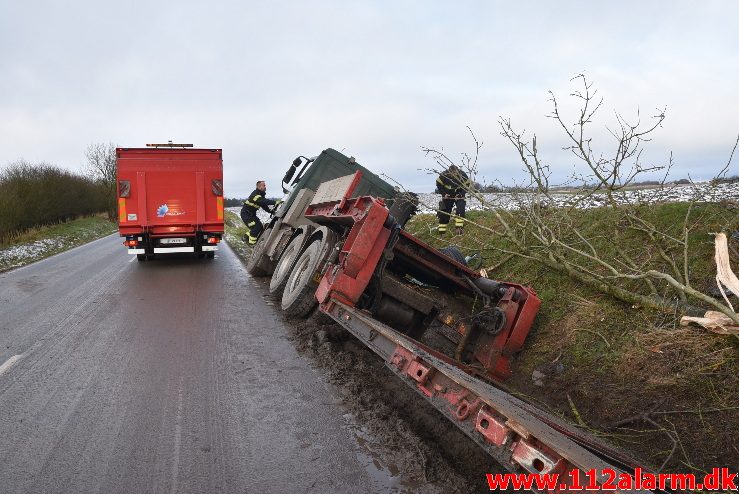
[170, 199]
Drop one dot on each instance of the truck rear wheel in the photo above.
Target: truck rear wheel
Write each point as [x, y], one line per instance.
[299, 295]
[285, 264]
[141, 257]
[259, 264]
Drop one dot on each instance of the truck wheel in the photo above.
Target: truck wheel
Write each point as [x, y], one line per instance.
[259, 264]
[285, 264]
[141, 257]
[299, 295]
[210, 255]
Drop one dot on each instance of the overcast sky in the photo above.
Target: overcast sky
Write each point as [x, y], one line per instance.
[267, 81]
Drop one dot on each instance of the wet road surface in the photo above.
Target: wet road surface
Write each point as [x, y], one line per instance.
[167, 376]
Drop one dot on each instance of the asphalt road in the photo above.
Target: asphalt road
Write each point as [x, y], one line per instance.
[165, 376]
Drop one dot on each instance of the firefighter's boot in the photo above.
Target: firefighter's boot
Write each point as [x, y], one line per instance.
[458, 226]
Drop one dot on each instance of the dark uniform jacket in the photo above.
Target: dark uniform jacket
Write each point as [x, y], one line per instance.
[255, 201]
[453, 183]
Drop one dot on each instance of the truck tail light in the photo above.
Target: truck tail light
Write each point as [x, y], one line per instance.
[131, 243]
[213, 240]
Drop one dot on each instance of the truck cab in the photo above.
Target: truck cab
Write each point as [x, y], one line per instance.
[289, 224]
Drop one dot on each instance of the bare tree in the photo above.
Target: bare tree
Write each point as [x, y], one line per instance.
[101, 166]
[546, 227]
[101, 162]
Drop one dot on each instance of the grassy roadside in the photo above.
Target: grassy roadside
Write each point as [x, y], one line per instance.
[596, 361]
[235, 229]
[39, 243]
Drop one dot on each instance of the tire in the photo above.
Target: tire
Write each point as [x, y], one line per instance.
[299, 294]
[285, 265]
[141, 257]
[454, 253]
[258, 263]
[210, 255]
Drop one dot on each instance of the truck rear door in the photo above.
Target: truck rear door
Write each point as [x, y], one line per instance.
[171, 191]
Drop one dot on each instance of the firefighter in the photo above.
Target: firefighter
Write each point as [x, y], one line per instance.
[257, 199]
[452, 184]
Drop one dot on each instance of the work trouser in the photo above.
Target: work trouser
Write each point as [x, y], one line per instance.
[255, 227]
[445, 208]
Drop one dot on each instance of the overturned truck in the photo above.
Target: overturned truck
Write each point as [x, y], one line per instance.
[337, 245]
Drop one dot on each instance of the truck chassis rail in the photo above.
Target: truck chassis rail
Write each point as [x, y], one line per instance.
[518, 436]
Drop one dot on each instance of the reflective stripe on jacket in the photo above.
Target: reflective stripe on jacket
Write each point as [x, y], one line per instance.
[453, 183]
[257, 200]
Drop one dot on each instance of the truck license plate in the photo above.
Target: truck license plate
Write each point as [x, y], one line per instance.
[174, 241]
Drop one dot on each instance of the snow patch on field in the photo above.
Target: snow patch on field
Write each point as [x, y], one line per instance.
[704, 192]
[263, 215]
[21, 254]
[17, 255]
[701, 192]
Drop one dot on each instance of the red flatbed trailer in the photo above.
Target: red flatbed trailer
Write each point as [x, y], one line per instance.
[170, 199]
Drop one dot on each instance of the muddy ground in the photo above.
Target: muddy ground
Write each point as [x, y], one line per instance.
[402, 435]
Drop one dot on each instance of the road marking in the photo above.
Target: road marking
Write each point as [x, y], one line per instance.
[177, 441]
[132, 259]
[9, 363]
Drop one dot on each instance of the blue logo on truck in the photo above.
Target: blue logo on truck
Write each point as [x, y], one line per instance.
[164, 210]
